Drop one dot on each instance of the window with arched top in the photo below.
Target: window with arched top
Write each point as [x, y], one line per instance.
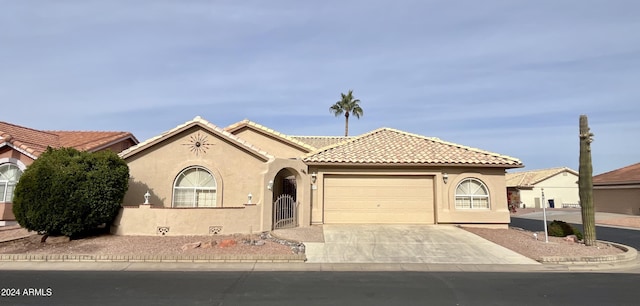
[472, 193]
[195, 187]
[9, 176]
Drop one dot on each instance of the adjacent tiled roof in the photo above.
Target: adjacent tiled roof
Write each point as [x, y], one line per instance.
[263, 129]
[626, 175]
[90, 140]
[321, 141]
[389, 146]
[35, 142]
[530, 178]
[197, 121]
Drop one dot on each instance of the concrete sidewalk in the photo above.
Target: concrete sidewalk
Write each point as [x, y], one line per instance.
[307, 267]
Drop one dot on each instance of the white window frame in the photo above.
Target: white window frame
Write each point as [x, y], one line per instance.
[196, 189]
[8, 183]
[472, 195]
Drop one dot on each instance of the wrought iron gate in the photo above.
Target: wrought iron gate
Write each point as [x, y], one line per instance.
[284, 212]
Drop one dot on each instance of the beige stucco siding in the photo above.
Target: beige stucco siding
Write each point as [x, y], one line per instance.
[614, 199]
[562, 188]
[443, 197]
[270, 144]
[8, 155]
[388, 199]
[237, 173]
[493, 179]
[146, 221]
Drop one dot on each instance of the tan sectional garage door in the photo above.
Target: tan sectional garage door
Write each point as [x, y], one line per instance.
[378, 199]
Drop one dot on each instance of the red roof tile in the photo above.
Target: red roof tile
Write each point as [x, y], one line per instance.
[625, 175]
[35, 142]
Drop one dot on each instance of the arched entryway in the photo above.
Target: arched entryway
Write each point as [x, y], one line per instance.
[285, 203]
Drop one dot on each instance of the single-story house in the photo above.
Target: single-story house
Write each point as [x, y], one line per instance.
[560, 185]
[20, 146]
[202, 179]
[618, 191]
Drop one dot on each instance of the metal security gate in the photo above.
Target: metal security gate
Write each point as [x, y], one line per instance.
[284, 212]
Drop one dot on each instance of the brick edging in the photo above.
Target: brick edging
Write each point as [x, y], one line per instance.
[629, 254]
[152, 258]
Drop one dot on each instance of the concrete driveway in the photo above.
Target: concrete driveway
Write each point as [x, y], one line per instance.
[407, 244]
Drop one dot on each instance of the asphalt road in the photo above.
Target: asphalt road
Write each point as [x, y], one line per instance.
[318, 288]
[619, 235]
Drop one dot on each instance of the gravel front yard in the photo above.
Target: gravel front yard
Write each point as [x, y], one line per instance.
[150, 245]
[520, 241]
[524, 242]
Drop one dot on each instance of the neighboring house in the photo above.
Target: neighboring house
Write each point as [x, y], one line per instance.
[618, 191]
[202, 179]
[524, 189]
[20, 146]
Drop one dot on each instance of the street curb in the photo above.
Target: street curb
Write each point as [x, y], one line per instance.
[630, 254]
[151, 258]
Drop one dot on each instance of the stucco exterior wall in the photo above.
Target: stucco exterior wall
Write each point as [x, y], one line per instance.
[144, 220]
[155, 169]
[237, 173]
[563, 189]
[270, 144]
[8, 155]
[614, 199]
[444, 193]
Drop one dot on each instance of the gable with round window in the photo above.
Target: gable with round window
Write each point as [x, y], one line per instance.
[195, 187]
[472, 193]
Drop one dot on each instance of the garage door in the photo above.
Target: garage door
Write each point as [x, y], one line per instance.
[378, 199]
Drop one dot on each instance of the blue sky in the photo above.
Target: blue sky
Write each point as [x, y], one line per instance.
[505, 76]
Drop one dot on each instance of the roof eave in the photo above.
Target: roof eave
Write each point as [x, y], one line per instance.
[370, 164]
[104, 146]
[616, 183]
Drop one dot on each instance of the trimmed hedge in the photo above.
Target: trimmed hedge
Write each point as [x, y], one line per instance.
[69, 192]
[563, 229]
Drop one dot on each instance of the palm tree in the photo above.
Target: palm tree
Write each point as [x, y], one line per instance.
[347, 105]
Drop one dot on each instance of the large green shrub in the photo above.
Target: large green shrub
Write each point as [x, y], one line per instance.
[562, 229]
[68, 192]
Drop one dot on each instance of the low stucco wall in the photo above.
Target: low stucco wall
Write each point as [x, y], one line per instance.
[6, 212]
[145, 220]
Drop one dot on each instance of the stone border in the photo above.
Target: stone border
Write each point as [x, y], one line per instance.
[152, 258]
[630, 254]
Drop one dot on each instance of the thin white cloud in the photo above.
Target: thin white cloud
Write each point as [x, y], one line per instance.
[494, 73]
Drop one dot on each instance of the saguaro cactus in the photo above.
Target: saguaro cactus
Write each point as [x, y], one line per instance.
[585, 183]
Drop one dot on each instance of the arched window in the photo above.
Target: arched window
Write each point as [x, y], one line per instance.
[9, 176]
[472, 194]
[194, 187]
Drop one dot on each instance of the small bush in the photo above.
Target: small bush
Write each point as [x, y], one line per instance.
[563, 229]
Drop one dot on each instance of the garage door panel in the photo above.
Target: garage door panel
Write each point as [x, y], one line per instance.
[378, 199]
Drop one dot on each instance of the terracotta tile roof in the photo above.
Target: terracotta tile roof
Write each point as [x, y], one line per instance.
[321, 141]
[197, 121]
[90, 140]
[390, 146]
[625, 175]
[265, 130]
[35, 142]
[530, 178]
